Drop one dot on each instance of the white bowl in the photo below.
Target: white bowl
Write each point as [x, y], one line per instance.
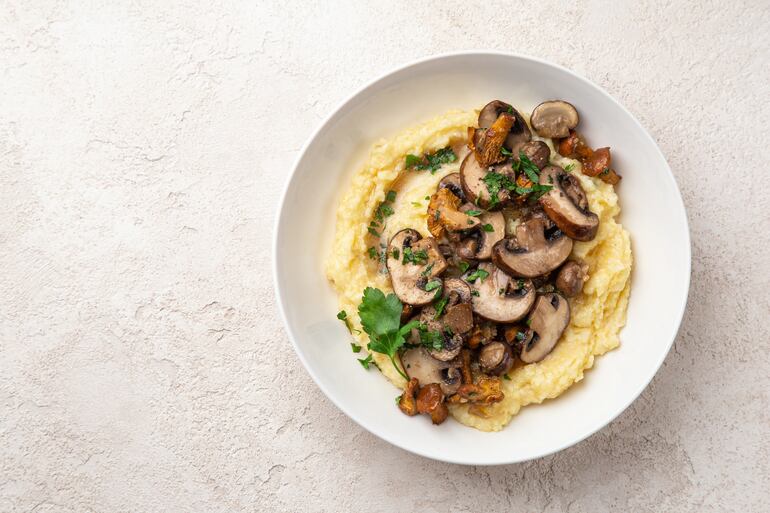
[652, 212]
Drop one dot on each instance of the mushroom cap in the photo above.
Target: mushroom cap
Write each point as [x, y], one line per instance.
[418, 363]
[499, 297]
[496, 358]
[571, 278]
[554, 118]
[547, 322]
[408, 278]
[452, 182]
[472, 179]
[567, 204]
[537, 248]
[519, 132]
[489, 238]
[457, 316]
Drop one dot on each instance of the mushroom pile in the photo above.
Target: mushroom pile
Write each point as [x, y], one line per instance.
[492, 281]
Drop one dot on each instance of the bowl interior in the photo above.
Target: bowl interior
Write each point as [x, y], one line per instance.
[652, 212]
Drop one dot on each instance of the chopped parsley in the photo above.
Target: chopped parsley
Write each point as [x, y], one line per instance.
[439, 306]
[475, 293]
[381, 319]
[474, 212]
[476, 275]
[372, 252]
[495, 183]
[372, 231]
[569, 167]
[487, 227]
[463, 266]
[355, 347]
[529, 168]
[398, 399]
[505, 377]
[430, 338]
[396, 253]
[505, 151]
[427, 270]
[415, 257]
[365, 362]
[390, 196]
[432, 285]
[605, 171]
[529, 321]
[431, 161]
[416, 204]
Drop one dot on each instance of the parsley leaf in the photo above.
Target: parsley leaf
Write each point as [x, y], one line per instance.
[381, 319]
[432, 161]
[463, 266]
[439, 305]
[414, 257]
[477, 274]
[569, 167]
[487, 227]
[390, 196]
[473, 212]
[529, 168]
[505, 151]
[495, 182]
[432, 285]
[431, 339]
[365, 362]
[355, 347]
[372, 252]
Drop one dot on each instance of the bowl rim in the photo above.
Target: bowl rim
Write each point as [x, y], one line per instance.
[447, 458]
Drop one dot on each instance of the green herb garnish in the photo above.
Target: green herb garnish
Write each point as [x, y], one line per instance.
[365, 362]
[355, 347]
[396, 253]
[431, 339]
[372, 252]
[487, 227]
[473, 212]
[529, 168]
[432, 161]
[476, 275]
[495, 182]
[390, 196]
[432, 285]
[415, 257]
[381, 319]
[439, 306]
[475, 293]
[372, 231]
[463, 266]
[569, 167]
[505, 151]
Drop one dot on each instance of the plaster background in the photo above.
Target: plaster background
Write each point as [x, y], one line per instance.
[143, 146]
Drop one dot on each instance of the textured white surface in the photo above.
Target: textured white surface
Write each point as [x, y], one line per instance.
[143, 148]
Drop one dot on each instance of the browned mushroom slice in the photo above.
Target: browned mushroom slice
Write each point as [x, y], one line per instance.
[519, 132]
[497, 296]
[452, 182]
[538, 248]
[554, 118]
[567, 205]
[547, 322]
[571, 278]
[406, 402]
[492, 231]
[496, 358]
[414, 265]
[472, 179]
[418, 363]
[444, 213]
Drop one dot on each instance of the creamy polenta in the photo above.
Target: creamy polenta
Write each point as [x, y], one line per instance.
[598, 312]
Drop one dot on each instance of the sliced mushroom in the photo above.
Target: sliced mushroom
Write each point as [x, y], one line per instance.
[554, 118]
[492, 230]
[538, 248]
[418, 363]
[496, 358]
[483, 333]
[452, 182]
[472, 179]
[500, 298]
[519, 132]
[444, 214]
[536, 151]
[547, 322]
[567, 205]
[571, 278]
[410, 277]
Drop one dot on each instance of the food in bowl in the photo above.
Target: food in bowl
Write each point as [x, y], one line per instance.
[479, 260]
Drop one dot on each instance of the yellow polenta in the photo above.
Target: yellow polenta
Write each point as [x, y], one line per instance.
[598, 313]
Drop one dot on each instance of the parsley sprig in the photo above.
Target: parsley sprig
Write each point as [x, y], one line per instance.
[381, 319]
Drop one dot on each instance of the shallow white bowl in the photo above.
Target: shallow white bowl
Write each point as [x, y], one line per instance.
[652, 212]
